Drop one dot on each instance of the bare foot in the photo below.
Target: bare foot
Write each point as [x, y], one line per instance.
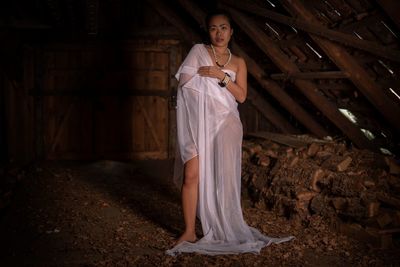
[189, 237]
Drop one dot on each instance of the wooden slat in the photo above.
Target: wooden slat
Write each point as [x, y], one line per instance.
[385, 105]
[315, 28]
[289, 140]
[149, 123]
[138, 127]
[309, 89]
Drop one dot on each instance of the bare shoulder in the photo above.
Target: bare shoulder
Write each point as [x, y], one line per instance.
[238, 62]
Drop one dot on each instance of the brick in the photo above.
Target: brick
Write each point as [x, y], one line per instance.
[342, 166]
[313, 149]
[317, 176]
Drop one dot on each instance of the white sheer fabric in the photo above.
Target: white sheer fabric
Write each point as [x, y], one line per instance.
[208, 125]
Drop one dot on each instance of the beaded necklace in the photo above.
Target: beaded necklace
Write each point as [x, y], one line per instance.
[216, 60]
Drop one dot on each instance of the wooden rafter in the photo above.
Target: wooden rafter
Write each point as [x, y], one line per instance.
[269, 85]
[314, 28]
[309, 89]
[391, 8]
[368, 87]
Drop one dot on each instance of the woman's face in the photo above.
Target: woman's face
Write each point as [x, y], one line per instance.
[219, 30]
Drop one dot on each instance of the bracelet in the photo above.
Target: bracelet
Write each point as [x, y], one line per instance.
[224, 82]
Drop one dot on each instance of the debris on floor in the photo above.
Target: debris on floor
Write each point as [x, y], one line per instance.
[110, 213]
[355, 191]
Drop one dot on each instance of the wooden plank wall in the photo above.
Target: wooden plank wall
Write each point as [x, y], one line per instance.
[19, 114]
[109, 102]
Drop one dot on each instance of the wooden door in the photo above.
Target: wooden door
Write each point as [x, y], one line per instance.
[111, 101]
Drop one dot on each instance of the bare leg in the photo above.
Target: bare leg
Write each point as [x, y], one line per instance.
[189, 199]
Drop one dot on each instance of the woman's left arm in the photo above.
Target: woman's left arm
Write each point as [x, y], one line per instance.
[238, 88]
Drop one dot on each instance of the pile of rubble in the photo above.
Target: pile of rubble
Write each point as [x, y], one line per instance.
[356, 191]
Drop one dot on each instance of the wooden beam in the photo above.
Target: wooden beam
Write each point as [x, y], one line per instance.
[269, 85]
[308, 88]
[269, 112]
[392, 9]
[310, 75]
[166, 12]
[368, 87]
[336, 86]
[314, 28]
[195, 11]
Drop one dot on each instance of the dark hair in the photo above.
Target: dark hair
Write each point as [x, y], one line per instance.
[210, 15]
[217, 12]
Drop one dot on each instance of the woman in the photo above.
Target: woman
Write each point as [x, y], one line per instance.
[211, 82]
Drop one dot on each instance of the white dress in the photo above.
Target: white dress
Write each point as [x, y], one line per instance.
[208, 125]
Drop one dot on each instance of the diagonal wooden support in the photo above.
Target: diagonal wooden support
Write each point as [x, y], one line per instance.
[309, 89]
[391, 8]
[369, 88]
[269, 85]
[172, 17]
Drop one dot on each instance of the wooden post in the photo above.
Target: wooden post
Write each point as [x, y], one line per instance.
[388, 108]
[309, 89]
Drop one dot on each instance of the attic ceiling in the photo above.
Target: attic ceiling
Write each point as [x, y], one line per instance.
[327, 67]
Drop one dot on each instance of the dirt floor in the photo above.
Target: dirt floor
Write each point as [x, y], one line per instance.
[110, 213]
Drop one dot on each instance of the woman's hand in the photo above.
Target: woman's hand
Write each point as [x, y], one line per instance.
[211, 71]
